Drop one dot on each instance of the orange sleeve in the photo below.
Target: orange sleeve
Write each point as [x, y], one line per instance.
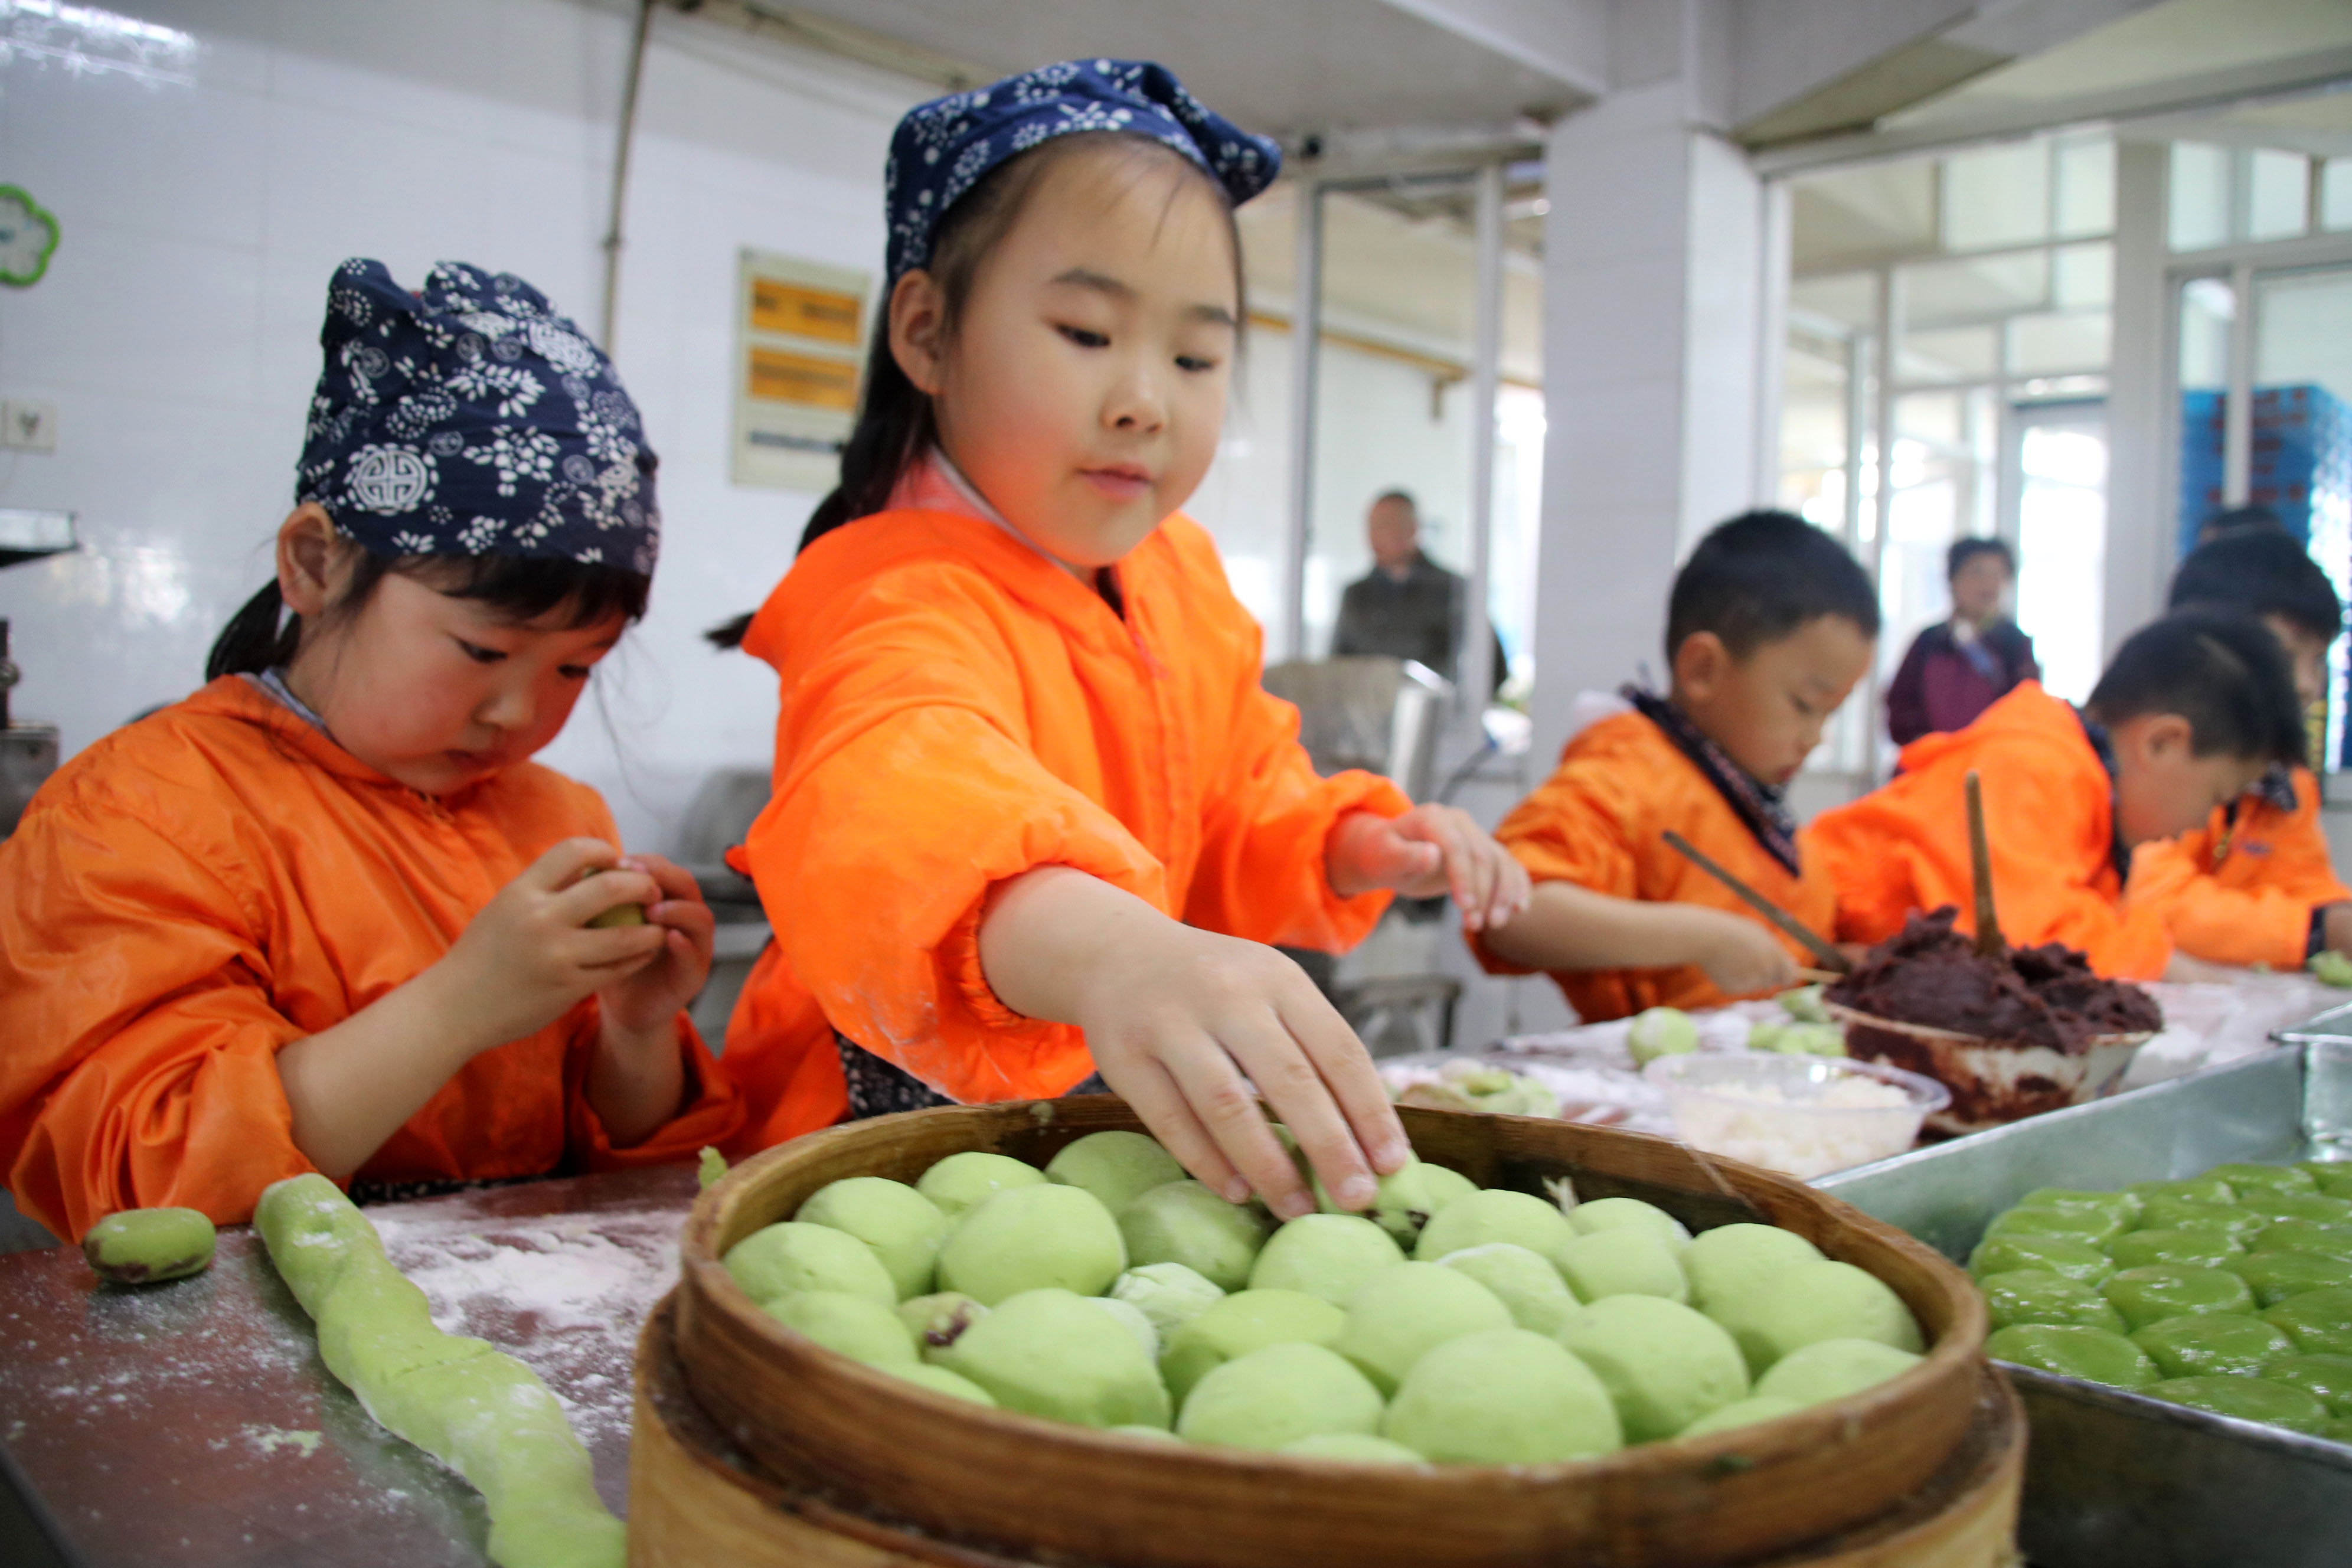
[911, 789]
[2257, 909]
[1580, 825]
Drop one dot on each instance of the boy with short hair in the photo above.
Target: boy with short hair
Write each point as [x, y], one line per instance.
[1768, 627]
[2254, 884]
[2189, 714]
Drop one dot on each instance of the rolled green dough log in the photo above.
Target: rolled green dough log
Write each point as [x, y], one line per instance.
[481, 1412]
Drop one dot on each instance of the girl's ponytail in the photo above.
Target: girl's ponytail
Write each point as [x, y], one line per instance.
[892, 430]
[253, 641]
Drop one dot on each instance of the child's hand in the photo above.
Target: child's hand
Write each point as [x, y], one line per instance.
[529, 956]
[1429, 850]
[649, 998]
[1740, 955]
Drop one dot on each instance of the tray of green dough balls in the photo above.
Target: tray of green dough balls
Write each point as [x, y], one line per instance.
[1025, 1329]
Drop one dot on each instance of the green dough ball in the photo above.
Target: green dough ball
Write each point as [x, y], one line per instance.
[2330, 967]
[1794, 1039]
[2315, 1206]
[1325, 1255]
[2046, 1253]
[2318, 1321]
[937, 1322]
[1117, 1167]
[2304, 1236]
[2328, 1376]
[1242, 1322]
[1661, 1032]
[940, 1380]
[1403, 1313]
[1351, 1449]
[2093, 1225]
[2196, 1189]
[2162, 1290]
[2219, 1344]
[1408, 1198]
[2068, 1349]
[145, 1247]
[1806, 1004]
[1502, 1398]
[1622, 1262]
[1132, 1320]
[1151, 1434]
[1528, 1287]
[1831, 1369]
[1049, 1352]
[2032, 1296]
[2186, 1213]
[711, 1169]
[1811, 1302]
[2124, 1207]
[1749, 1412]
[2276, 1275]
[1495, 1214]
[1034, 1238]
[1621, 1213]
[2333, 1177]
[1664, 1364]
[619, 915]
[959, 1181]
[857, 1326]
[1278, 1395]
[795, 1255]
[903, 1228]
[2199, 1249]
[1168, 1294]
[1731, 1261]
[2245, 1178]
[1184, 1222]
[2247, 1399]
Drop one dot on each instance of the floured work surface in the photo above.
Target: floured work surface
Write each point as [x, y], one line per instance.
[192, 1422]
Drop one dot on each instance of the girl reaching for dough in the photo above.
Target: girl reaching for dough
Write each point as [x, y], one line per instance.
[1034, 817]
[325, 913]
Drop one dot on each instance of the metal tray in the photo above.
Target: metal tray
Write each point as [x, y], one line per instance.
[2113, 1479]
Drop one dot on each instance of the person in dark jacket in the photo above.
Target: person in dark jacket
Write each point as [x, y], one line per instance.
[1957, 669]
[1407, 605]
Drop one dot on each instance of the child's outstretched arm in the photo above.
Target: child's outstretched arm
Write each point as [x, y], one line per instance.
[1181, 1022]
[1566, 928]
[1429, 850]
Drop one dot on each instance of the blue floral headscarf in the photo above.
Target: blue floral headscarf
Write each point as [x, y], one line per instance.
[471, 419]
[942, 148]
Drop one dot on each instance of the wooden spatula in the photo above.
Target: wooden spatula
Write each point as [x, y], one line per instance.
[1989, 938]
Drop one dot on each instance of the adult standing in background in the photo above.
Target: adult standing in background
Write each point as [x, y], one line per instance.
[1407, 605]
[1957, 669]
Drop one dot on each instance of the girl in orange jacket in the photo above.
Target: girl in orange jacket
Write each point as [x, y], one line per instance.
[1034, 817]
[324, 914]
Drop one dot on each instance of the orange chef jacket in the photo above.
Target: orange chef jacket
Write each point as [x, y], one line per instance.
[2242, 891]
[958, 708]
[201, 888]
[1599, 822]
[2050, 822]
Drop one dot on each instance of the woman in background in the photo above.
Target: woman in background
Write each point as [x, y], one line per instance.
[1957, 669]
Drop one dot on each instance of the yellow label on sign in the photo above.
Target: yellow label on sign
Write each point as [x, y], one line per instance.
[800, 311]
[778, 376]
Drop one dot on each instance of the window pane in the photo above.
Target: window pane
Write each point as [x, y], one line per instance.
[2052, 344]
[2201, 195]
[1947, 293]
[2085, 276]
[2281, 189]
[2209, 315]
[2336, 195]
[1997, 195]
[2062, 552]
[1849, 299]
[2086, 184]
[1949, 354]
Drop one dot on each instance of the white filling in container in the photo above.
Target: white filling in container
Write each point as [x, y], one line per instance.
[1805, 1115]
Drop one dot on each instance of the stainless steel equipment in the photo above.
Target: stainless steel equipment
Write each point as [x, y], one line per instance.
[2115, 1480]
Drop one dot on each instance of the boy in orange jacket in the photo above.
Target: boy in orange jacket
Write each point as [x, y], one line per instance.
[2254, 885]
[2188, 716]
[1770, 625]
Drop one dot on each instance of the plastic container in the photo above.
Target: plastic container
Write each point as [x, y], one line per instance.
[1805, 1115]
[1992, 1083]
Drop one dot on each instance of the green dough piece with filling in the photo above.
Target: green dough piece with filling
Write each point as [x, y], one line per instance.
[711, 1169]
[1815, 1302]
[2314, 1207]
[1748, 1412]
[2216, 1345]
[794, 1255]
[1351, 1449]
[1529, 1287]
[1408, 1198]
[940, 1380]
[1185, 1223]
[2328, 1376]
[2032, 1296]
[2095, 1225]
[1661, 1032]
[1627, 1261]
[2071, 1350]
[481, 1412]
[1325, 1255]
[2330, 967]
[1496, 1213]
[1034, 1238]
[2245, 1177]
[1731, 1261]
[2197, 1189]
[2124, 1207]
[904, 1228]
[2247, 1399]
[1623, 1214]
[1805, 1005]
[2318, 1321]
[2333, 1177]
[2304, 1236]
[2277, 1275]
[1278, 1394]
[856, 1326]
[955, 1183]
[2188, 1214]
[1503, 1396]
[2075, 1258]
[1833, 1369]
[1050, 1352]
[1664, 1364]
[1117, 1167]
[2195, 1248]
[147, 1246]
[1169, 1295]
[1242, 1322]
[2151, 1295]
[1403, 1313]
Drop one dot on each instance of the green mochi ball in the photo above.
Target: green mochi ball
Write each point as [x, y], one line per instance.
[1503, 1396]
[2220, 1344]
[857, 1326]
[2304, 1236]
[940, 1380]
[1748, 1412]
[1620, 1214]
[2185, 1213]
[1496, 1213]
[2207, 1189]
[1661, 1032]
[1409, 1197]
[2244, 1178]
[1731, 1261]
[936, 1320]
[2328, 1376]
[794, 1255]
[1623, 1262]
[903, 1228]
[1277, 1396]
[1664, 1364]
[1242, 1322]
[1032, 1238]
[1184, 1222]
[1053, 1354]
[1351, 1449]
[1116, 1167]
[1805, 1003]
[1833, 1369]
[1169, 1294]
[1528, 1287]
[2075, 1258]
[2315, 1206]
[1811, 1302]
[959, 1181]
[1150, 1433]
[146, 1247]
[2124, 1207]
[2197, 1248]
[2277, 1275]
[1132, 1320]
[2097, 1226]
[2333, 1177]
[2034, 1296]
[2069, 1349]
[2318, 1321]
[2246, 1399]
[2151, 1295]
[1325, 1255]
[1401, 1314]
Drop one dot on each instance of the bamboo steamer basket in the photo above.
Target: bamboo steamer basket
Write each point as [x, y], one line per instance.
[1048, 1491]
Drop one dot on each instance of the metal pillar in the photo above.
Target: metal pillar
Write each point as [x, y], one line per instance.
[1306, 356]
[1475, 660]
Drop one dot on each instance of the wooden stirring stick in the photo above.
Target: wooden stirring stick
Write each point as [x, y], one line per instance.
[1829, 957]
[1989, 938]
